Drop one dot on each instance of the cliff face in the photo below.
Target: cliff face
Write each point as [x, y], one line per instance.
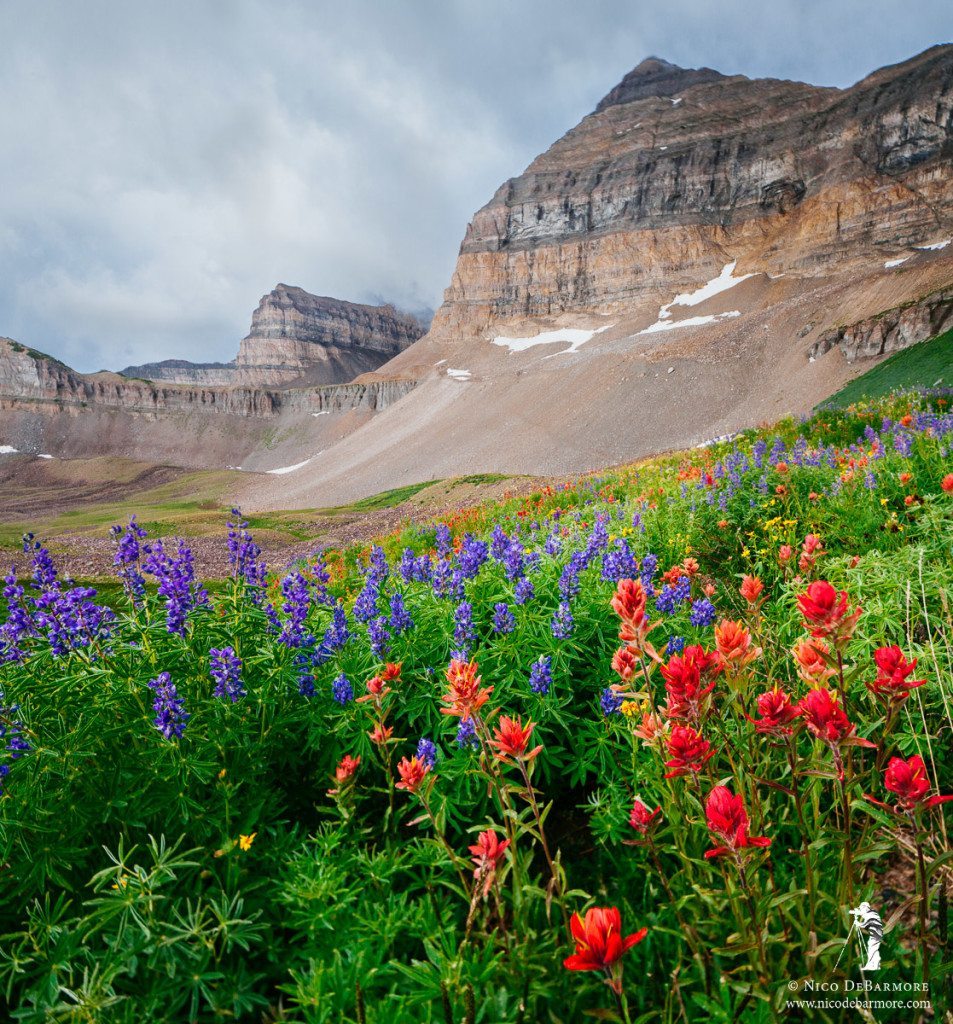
[298, 339]
[679, 171]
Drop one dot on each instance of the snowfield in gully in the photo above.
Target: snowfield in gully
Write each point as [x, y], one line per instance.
[630, 747]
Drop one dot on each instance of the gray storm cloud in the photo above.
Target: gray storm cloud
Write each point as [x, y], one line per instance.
[164, 165]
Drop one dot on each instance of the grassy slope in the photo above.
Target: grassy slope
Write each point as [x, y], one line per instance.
[927, 365]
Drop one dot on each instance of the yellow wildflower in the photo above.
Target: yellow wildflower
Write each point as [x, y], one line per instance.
[244, 842]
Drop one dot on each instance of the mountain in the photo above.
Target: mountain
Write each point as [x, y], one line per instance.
[701, 253]
[298, 339]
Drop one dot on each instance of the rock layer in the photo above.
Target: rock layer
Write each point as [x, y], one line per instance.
[891, 330]
[679, 171]
[298, 339]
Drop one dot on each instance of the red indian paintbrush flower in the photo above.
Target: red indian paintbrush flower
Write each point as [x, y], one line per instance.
[812, 665]
[910, 782]
[826, 613]
[628, 603]
[728, 822]
[947, 483]
[465, 695]
[511, 738]
[892, 682]
[599, 940]
[826, 720]
[685, 677]
[381, 734]
[487, 853]
[776, 711]
[651, 729]
[733, 642]
[641, 818]
[412, 773]
[688, 751]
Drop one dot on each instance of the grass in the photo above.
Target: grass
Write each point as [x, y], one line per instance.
[386, 499]
[926, 365]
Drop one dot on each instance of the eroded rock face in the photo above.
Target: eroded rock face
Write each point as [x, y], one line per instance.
[297, 340]
[678, 171]
[890, 330]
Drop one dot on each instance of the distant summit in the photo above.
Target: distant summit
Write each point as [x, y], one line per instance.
[656, 77]
[298, 339]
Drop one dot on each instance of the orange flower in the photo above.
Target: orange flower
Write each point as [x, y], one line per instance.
[347, 766]
[751, 587]
[625, 663]
[381, 734]
[412, 773]
[690, 565]
[734, 645]
[628, 603]
[947, 483]
[465, 695]
[511, 738]
[600, 942]
[652, 728]
[812, 664]
[785, 553]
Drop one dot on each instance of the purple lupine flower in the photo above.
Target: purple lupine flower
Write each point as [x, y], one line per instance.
[553, 544]
[378, 636]
[524, 591]
[321, 576]
[226, 670]
[365, 607]
[473, 553]
[337, 634]
[562, 624]
[466, 734]
[513, 560]
[703, 612]
[302, 665]
[12, 741]
[647, 572]
[175, 576]
[619, 564]
[610, 702]
[503, 619]
[244, 555]
[400, 619]
[541, 675]
[443, 540]
[127, 560]
[427, 752]
[341, 690]
[442, 577]
[463, 631]
[408, 566]
[19, 624]
[675, 645]
[171, 716]
[499, 542]
[378, 570]
[296, 606]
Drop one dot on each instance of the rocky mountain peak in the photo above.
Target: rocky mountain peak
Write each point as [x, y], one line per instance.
[656, 77]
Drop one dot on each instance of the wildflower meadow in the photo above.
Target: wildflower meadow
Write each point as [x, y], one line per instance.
[630, 748]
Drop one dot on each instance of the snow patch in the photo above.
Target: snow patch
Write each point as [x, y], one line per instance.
[290, 469]
[663, 147]
[935, 246]
[44, 456]
[7, 449]
[895, 263]
[323, 412]
[459, 374]
[715, 286]
[676, 101]
[574, 336]
[692, 321]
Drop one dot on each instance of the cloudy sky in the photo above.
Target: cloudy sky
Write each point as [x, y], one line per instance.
[166, 163]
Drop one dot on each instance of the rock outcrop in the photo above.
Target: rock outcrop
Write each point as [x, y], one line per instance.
[679, 171]
[298, 339]
[891, 330]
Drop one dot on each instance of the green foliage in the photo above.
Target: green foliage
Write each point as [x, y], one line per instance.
[926, 365]
[242, 872]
